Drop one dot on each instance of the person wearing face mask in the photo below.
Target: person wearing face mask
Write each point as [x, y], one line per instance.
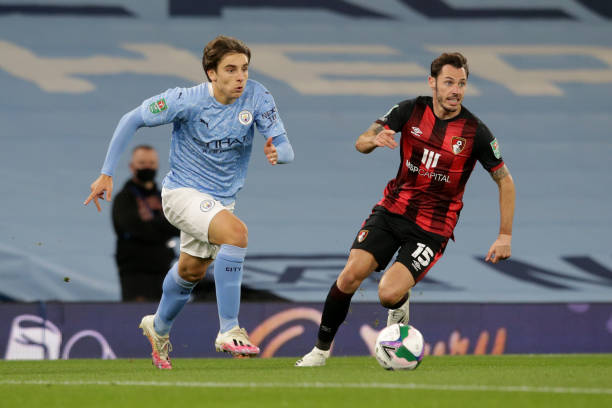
[144, 247]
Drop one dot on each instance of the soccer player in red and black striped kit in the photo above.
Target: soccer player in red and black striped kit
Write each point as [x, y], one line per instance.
[439, 146]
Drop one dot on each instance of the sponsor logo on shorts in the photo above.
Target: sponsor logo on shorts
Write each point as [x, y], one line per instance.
[245, 117]
[207, 205]
[362, 236]
[458, 144]
[158, 106]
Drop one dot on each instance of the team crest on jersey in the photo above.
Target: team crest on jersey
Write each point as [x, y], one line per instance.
[245, 117]
[495, 147]
[158, 106]
[458, 144]
[362, 236]
[207, 205]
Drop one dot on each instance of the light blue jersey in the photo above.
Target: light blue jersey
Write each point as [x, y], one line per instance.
[211, 142]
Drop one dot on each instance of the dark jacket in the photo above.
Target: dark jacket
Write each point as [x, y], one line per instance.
[142, 229]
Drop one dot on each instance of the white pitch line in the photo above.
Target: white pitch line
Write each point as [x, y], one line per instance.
[406, 386]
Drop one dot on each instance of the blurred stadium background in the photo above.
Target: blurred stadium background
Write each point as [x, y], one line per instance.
[541, 79]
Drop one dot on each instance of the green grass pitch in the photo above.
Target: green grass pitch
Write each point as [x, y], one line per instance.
[578, 380]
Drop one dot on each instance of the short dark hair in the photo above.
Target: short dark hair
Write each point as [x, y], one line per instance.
[456, 59]
[142, 147]
[220, 47]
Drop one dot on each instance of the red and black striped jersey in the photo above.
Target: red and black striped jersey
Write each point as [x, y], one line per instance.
[437, 158]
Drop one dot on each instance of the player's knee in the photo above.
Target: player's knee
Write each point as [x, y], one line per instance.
[238, 235]
[192, 270]
[349, 280]
[389, 296]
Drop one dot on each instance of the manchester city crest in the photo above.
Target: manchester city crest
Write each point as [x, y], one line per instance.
[245, 117]
[207, 205]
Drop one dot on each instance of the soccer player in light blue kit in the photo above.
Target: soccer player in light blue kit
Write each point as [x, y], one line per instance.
[212, 137]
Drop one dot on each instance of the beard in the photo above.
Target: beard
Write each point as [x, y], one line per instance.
[441, 101]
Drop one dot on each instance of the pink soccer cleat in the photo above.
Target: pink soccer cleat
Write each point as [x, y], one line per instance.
[160, 344]
[236, 342]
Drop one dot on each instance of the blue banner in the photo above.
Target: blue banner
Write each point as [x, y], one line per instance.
[110, 330]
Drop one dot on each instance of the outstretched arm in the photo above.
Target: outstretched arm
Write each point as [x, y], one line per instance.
[375, 136]
[128, 125]
[502, 247]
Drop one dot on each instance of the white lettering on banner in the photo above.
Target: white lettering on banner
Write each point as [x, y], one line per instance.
[487, 62]
[35, 338]
[61, 74]
[107, 352]
[64, 75]
[309, 77]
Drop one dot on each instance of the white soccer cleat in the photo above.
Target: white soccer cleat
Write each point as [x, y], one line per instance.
[236, 341]
[160, 344]
[400, 315]
[315, 358]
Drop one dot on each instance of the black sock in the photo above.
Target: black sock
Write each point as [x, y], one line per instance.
[335, 311]
[400, 303]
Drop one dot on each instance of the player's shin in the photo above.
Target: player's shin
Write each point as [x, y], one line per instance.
[334, 312]
[176, 292]
[228, 278]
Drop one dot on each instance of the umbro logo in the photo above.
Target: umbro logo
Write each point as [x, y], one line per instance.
[416, 131]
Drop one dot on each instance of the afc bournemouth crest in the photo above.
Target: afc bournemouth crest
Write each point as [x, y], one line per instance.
[245, 117]
[362, 236]
[458, 144]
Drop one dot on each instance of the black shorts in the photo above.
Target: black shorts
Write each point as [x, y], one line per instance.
[383, 233]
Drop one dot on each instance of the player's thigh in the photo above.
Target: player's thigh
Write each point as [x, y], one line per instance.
[419, 253]
[191, 211]
[226, 228]
[377, 238]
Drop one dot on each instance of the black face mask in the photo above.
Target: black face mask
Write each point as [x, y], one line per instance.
[145, 175]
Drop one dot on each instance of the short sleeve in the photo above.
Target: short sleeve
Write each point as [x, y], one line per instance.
[398, 115]
[268, 121]
[164, 108]
[487, 149]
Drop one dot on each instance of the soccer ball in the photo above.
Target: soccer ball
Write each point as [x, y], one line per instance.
[399, 347]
